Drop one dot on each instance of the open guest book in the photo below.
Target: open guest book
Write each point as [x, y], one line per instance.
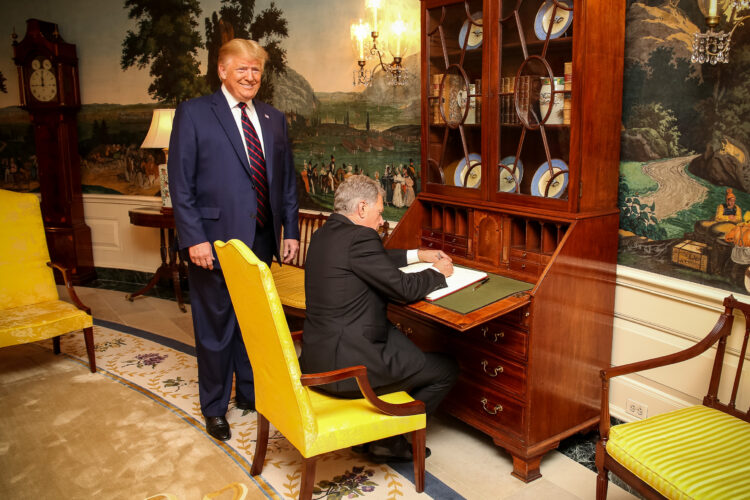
[461, 278]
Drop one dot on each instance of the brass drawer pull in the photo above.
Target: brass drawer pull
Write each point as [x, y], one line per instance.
[408, 331]
[497, 408]
[497, 335]
[498, 369]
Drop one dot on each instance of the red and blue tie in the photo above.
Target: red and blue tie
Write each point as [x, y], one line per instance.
[257, 165]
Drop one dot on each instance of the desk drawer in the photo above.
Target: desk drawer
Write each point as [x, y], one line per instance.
[431, 244]
[458, 241]
[521, 254]
[500, 337]
[455, 250]
[489, 409]
[491, 370]
[525, 266]
[432, 234]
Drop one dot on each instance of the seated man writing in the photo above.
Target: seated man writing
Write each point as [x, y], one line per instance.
[349, 279]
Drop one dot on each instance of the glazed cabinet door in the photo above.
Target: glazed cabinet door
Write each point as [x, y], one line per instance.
[534, 102]
[453, 57]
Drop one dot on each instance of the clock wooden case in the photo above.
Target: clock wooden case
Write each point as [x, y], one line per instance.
[49, 91]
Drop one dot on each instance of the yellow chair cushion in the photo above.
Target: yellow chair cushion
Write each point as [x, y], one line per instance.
[346, 422]
[692, 453]
[290, 284]
[40, 321]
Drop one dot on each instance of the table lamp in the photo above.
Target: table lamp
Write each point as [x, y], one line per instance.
[158, 137]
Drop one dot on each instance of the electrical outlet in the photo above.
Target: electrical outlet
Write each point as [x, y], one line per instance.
[638, 410]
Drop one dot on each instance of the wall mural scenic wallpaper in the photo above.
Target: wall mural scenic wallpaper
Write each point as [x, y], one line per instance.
[685, 176]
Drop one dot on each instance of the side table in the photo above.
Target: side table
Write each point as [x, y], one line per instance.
[171, 266]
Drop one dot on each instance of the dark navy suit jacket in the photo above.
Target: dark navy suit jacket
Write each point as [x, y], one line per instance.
[209, 174]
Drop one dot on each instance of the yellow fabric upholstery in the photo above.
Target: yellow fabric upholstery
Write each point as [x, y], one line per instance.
[692, 453]
[30, 308]
[290, 285]
[313, 422]
[29, 323]
[26, 279]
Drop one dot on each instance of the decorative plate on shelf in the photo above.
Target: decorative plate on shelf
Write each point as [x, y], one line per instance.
[475, 32]
[507, 182]
[543, 176]
[561, 23]
[475, 176]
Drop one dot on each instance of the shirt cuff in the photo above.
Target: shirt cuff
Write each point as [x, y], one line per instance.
[412, 256]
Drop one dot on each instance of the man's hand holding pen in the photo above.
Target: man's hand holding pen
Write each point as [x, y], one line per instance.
[440, 260]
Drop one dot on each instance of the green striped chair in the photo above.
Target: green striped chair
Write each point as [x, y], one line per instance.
[701, 452]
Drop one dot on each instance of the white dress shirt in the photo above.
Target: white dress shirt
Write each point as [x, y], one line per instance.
[237, 114]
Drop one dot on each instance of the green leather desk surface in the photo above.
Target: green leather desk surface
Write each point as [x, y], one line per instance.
[472, 298]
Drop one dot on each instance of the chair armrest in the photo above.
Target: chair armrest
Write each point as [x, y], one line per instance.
[360, 373]
[297, 335]
[721, 330]
[69, 287]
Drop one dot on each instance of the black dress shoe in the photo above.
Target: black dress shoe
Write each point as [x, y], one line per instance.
[218, 427]
[244, 404]
[392, 449]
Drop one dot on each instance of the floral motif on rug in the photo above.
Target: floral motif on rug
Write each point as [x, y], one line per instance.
[170, 377]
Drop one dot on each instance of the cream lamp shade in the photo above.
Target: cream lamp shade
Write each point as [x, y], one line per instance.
[158, 137]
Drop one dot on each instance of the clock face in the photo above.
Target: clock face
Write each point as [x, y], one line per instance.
[42, 83]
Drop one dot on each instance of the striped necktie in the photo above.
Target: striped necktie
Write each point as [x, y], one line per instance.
[257, 165]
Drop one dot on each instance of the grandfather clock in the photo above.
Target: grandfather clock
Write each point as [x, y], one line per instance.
[48, 84]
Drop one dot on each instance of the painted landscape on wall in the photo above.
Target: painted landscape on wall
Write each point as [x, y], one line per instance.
[336, 130]
[685, 176]
[684, 142]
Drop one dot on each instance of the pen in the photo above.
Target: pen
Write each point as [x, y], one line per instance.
[485, 280]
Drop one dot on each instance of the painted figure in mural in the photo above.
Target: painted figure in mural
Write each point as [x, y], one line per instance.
[398, 188]
[728, 211]
[388, 186]
[232, 175]
[303, 174]
[340, 174]
[409, 195]
[355, 292]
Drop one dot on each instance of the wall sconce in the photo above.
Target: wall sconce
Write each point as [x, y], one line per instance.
[158, 137]
[369, 42]
[713, 46]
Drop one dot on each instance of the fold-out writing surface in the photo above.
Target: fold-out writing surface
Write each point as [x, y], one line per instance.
[461, 278]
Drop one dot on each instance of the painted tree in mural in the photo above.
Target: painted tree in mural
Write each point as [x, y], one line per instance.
[237, 19]
[167, 41]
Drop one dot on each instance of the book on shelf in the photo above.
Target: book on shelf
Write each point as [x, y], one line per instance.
[460, 279]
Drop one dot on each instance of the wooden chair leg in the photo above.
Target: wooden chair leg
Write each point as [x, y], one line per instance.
[602, 477]
[308, 477]
[88, 335]
[418, 451]
[56, 344]
[261, 444]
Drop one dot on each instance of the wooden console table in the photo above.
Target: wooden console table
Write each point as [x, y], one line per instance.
[171, 266]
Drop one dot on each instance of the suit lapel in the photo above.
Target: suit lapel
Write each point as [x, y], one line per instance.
[224, 115]
[264, 117]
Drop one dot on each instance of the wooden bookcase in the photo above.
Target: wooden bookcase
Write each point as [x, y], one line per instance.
[491, 73]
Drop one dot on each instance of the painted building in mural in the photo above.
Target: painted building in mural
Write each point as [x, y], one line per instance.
[685, 179]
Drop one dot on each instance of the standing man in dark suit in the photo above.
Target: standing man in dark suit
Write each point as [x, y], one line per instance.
[349, 279]
[232, 176]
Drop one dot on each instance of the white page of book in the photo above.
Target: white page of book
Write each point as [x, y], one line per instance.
[461, 278]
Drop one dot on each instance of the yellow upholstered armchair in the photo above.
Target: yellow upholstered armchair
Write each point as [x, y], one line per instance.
[315, 423]
[30, 308]
[699, 452]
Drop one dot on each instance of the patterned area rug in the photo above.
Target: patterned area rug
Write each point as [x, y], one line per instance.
[165, 371]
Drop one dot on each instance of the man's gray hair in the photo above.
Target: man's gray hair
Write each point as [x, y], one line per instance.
[354, 189]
